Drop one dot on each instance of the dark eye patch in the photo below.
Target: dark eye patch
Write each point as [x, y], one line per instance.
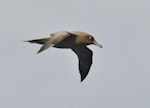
[91, 38]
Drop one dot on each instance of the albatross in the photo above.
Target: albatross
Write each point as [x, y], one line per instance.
[77, 41]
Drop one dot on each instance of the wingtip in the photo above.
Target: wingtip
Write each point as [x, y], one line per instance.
[39, 51]
[82, 78]
[81, 81]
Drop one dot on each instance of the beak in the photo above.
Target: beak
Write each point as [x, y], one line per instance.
[97, 44]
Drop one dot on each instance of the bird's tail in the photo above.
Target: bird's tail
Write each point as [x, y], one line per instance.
[45, 41]
[38, 41]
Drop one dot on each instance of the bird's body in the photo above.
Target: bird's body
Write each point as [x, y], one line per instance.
[77, 41]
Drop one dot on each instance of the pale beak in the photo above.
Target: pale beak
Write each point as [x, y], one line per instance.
[97, 44]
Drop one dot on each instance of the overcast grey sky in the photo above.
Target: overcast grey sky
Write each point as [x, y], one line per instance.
[119, 76]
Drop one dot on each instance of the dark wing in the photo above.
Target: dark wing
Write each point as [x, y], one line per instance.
[85, 60]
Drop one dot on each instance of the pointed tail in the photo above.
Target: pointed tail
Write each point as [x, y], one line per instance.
[38, 41]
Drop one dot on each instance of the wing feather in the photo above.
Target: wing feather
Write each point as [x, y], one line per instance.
[85, 60]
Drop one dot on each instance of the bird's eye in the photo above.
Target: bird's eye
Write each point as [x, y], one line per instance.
[91, 38]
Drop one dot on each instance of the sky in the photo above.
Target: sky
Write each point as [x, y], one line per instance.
[119, 76]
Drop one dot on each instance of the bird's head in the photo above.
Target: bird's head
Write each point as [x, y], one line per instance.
[90, 39]
[84, 38]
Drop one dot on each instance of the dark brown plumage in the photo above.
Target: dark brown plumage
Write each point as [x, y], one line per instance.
[77, 41]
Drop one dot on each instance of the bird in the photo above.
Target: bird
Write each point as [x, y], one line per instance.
[77, 41]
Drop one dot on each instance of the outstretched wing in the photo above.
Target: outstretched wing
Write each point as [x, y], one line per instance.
[85, 60]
